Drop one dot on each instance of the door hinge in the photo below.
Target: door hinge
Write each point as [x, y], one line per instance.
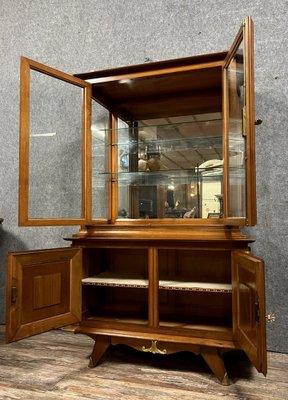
[14, 294]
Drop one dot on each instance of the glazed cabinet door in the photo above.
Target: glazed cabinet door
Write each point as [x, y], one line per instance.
[43, 291]
[55, 147]
[248, 288]
[239, 147]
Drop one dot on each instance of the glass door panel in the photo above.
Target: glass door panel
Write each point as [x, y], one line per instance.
[100, 159]
[54, 181]
[240, 194]
[55, 168]
[237, 145]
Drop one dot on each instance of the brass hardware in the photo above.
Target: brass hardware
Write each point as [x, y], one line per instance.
[271, 317]
[14, 294]
[225, 380]
[154, 349]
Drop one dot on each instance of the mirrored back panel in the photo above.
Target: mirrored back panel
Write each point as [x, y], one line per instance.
[171, 168]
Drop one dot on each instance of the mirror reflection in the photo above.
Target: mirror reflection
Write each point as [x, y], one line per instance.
[171, 168]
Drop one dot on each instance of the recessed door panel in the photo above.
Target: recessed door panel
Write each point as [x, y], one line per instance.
[249, 307]
[43, 291]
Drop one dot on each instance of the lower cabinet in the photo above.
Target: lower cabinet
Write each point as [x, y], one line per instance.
[157, 296]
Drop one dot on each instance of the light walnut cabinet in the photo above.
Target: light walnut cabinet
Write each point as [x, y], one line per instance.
[156, 163]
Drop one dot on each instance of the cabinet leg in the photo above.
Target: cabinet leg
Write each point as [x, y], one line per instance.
[100, 346]
[216, 363]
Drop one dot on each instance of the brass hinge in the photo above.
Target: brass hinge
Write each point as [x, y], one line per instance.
[14, 294]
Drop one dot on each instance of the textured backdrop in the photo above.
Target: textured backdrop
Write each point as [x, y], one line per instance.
[80, 36]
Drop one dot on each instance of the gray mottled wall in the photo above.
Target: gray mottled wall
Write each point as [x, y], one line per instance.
[79, 36]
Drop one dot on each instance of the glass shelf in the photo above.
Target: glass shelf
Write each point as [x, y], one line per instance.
[162, 177]
[161, 134]
[164, 125]
[173, 144]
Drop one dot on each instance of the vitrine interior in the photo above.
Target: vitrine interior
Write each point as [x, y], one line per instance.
[169, 139]
[162, 176]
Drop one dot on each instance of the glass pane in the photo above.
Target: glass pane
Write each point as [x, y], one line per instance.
[236, 162]
[55, 170]
[100, 119]
[171, 168]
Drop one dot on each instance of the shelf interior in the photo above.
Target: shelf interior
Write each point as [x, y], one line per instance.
[120, 280]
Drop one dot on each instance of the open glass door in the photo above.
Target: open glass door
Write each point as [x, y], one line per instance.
[238, 84]
[248, 288]
[55, 147]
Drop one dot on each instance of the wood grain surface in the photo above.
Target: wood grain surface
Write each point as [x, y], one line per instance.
[54, 365]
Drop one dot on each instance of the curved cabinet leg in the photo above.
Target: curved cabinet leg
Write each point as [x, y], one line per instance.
[100, 346]
[215, 361]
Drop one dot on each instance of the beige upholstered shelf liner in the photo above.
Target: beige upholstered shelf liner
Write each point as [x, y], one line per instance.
[119, 280]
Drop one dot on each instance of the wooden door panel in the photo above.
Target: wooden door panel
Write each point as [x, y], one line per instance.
[248, 288]
[43, 291]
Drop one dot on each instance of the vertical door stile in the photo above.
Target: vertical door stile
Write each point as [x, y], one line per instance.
[153, 287]
[23, 209]
[250, 120]
[112, 141]
[225, 142]
[87, 156]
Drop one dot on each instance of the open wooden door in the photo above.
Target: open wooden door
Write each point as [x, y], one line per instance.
[248, 288]
[43, 291]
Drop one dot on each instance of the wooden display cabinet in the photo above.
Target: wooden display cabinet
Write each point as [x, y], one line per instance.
[156, 163]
